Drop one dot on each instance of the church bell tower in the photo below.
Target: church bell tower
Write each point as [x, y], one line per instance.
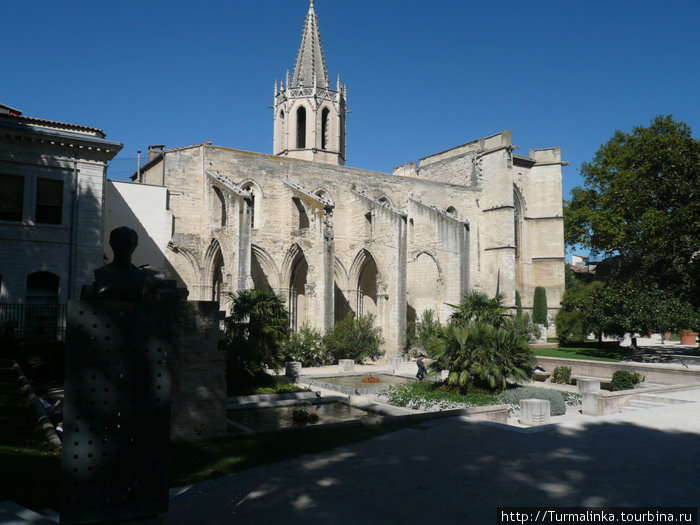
[309, 115]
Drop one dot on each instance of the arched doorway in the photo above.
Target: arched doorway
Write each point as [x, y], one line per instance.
[367, 287]
[297, 292]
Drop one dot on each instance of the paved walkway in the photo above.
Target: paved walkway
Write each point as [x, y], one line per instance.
[458, 470]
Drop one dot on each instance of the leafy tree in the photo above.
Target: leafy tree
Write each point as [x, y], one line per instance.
[641, 204]
[518, 304]
[354, 338]
[477, 306]
[306, 346]
[419, 334]
[539, 307]
[254, 333]
[616, 307]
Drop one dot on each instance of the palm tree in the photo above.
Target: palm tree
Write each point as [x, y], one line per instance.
[480, 344]
[255, 331]
[477, 306]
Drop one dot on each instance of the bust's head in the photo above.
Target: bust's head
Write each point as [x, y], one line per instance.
[123, 241]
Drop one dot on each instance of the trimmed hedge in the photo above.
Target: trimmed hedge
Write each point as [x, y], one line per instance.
[625, 380]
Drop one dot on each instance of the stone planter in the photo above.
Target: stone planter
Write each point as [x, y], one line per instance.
[688, 338]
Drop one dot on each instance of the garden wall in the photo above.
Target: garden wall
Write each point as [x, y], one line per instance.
[653, 373]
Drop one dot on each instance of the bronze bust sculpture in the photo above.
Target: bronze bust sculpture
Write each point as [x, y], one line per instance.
[121, 280]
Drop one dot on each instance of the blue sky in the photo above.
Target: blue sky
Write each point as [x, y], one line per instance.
[422, 76]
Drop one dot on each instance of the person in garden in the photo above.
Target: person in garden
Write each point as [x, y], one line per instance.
[422, 371]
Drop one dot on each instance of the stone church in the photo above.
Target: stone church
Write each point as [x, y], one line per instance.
[332, 239]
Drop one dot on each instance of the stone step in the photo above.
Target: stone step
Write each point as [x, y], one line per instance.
[642, 403]
[628, 408]
[13, 514]
[661, 399]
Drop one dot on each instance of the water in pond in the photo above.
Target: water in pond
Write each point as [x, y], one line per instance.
[356, 380]
[270, 419]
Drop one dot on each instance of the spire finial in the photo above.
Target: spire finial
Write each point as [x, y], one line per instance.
[311, 5]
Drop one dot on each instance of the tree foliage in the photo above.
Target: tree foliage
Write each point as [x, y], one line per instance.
[518, 305]
[641, 203]
[481, 352]
[482, 344]
[477, 306]
[354, 338]
[254, 333]
[420, 334]
[616, 307]
[306, 346]
[539, 307]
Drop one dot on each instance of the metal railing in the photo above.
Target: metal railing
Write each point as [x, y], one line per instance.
[45, 321]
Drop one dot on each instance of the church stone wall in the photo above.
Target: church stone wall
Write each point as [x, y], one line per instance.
[320, 258]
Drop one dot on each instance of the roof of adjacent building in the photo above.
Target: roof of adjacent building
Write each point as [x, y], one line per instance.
[16, 114]
[310, 68]
[14, 123]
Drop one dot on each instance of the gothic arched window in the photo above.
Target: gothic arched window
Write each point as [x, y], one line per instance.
[517, 222]
[301, 128]
[325, 128]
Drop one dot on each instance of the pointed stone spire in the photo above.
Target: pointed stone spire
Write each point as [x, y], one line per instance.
[310, 69]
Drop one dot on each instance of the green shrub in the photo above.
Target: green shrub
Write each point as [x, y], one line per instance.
[557, 406]
[306, 346]
[281, 387]
[354, 338]
[420, 334]
[518, 305]
[625, 380]
[539, 307]
[524, 326]
[562, 375]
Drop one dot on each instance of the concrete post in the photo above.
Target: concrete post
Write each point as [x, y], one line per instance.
[534, 412]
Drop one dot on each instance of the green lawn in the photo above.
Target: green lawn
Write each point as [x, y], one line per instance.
[597, 353]
[192, 462]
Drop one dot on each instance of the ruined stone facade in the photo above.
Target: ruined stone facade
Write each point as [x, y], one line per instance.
[331, 239]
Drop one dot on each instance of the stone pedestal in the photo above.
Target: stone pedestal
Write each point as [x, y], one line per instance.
[587, 385]
[346, 365]
[395, 363]
[590, 403]
[534, 412]
[293, 370]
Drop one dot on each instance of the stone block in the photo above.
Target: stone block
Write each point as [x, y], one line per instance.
[590, 403]
[395, 363]
[346, 365]
[587, 385]
[534, 412]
